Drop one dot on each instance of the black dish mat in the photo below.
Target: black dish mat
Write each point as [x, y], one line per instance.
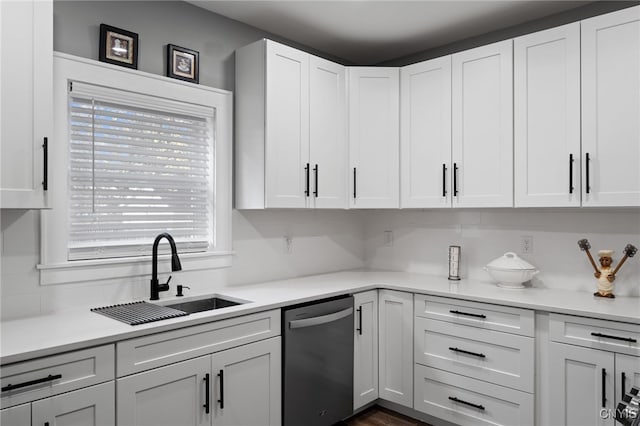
[137, 313]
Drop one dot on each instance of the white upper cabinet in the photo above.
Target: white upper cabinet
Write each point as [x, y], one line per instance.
[291, 129]
[482, 98]
[547, 118]
[425, 134]
[611, 109]
[374, 137]
[26, 83]
[328, 134]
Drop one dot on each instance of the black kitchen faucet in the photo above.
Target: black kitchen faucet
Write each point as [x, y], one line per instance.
[156, 288]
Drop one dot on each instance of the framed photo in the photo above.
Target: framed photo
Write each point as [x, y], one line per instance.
[118, 46]
[182, 63]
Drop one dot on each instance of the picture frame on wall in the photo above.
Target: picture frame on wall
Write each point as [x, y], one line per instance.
[118, 46]
[183, 63]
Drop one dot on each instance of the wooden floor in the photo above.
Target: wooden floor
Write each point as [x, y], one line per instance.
[378, 416]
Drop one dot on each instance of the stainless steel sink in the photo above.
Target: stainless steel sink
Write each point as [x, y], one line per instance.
[201, 305]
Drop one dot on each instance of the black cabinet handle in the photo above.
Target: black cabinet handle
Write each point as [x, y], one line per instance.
[468, 352]
[49, 378]
[570, 173]
[207, 395]
[455, 179]
[359, 329]
[608, 336]
[444, 180]
[623, 380]
[354, 183]
[221, 400]
[45, 165]
[604, 387]
[468, 314]
[586, 165]
[470, 404]
[306, 173]
[315, 171]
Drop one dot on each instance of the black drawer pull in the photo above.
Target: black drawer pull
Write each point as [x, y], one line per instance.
[470, 404]
[444, 180]
[455, 179]
[468, 314]
[306, 174]
[570, 173]
[604, 387]
[467, 352]
[587, 161]
[359, 329]
[315, 171]
[607, 336]
[354, 184]
[49, 378]
[221, 400]
[207, 396]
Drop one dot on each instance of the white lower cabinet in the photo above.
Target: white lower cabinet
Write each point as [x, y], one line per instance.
[19, 415]
[238, 386]
[465, 401]
[92, 406]
[247, 385]
[365, 349]
[396, 346]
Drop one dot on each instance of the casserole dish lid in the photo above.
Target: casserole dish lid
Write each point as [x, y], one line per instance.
[510, 262]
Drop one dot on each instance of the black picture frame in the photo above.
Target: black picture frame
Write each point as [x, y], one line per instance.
[183, 63]
[118, 46]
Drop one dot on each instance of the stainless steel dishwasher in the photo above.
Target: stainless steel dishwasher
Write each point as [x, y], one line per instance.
[318, 363]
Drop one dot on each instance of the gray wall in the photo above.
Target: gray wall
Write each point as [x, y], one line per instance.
[158, 23]
[573, 15]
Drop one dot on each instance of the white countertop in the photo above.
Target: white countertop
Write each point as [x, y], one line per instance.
[34, 337]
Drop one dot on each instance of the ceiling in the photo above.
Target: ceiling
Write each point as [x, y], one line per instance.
[372, 31]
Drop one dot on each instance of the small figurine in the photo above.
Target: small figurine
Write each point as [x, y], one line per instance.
[604, 275]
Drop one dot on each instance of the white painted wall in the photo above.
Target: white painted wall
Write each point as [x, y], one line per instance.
[322, 241]
[421, 240]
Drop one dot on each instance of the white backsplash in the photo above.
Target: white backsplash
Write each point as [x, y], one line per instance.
[325, 241]
[421, 240]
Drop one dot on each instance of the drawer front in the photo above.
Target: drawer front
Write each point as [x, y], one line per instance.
[594, 333]
[160, 349]
[500, 358]
[481, 315]
[468, 402]
[75, 370]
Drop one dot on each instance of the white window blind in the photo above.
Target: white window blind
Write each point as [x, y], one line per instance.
[138, 166]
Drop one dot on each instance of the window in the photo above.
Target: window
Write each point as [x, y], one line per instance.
[134, 155]
[137, 169]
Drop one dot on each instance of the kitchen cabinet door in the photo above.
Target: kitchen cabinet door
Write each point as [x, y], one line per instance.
[482, 126]
[365, 349]
[395, 310]
[374, 137]
[287, 126]
[327, 134]
[20, 415]
[247, 386]
[583, 385]
[26, 110]
[627, 374]
[167, 396]
[547, 118]
[425, 134]
[610, 109]
[92, 406]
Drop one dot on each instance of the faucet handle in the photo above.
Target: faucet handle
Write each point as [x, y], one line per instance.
[165, 286]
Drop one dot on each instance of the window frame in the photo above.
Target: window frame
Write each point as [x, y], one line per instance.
[54, 267]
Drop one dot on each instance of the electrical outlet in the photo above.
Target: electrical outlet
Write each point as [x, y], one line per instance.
[526, 244]
[388, 239]
[287, 244]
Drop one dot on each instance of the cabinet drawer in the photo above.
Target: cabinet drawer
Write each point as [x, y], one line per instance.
[468, 402]
[75, 370]
[501, 358]
[482, 315]
[594, 333]
[160, 349]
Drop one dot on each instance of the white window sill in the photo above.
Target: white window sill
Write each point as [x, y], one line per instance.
[129, 267]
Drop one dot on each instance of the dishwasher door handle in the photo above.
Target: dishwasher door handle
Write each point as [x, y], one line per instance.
[310, 322]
